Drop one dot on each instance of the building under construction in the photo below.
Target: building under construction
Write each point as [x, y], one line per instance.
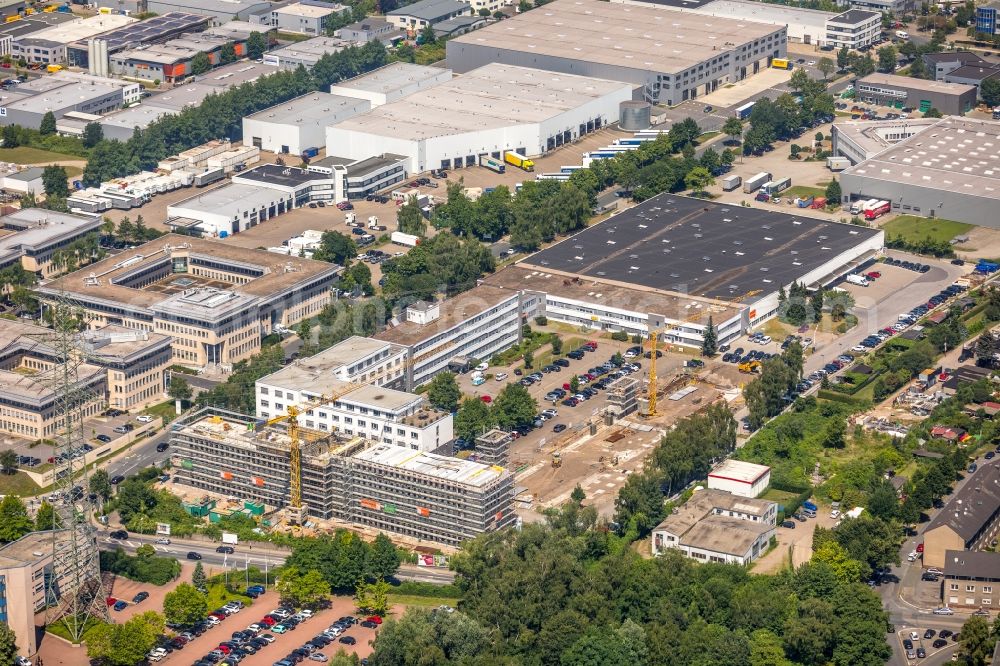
[346, 478]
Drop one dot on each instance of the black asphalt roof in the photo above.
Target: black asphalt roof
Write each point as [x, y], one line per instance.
[692, 246]
[281, 175]
[854, 16]
[972, 564]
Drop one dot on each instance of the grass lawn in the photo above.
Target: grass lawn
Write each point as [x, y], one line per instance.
[164, 410]
[422, 602]
[26, 155]
[803, 191]
[707, 136]
[913, 228]
[779, 496]
[72, 171]
[59, 629]
[18, 484]
[218, 595]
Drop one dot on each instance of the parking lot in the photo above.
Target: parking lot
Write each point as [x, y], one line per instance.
[923, 642]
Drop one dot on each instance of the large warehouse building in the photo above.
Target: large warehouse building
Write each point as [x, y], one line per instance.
[950, 170]
[672, 54]
[484, 112]
[300, 123]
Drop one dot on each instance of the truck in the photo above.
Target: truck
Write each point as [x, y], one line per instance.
[804, 202]
[859, 280]
[859, 206]
[781, 63]
[492, 163]
[310, 153]
[753, 183]
[409, 240]
[518, 160]
[350, 219]
[777, 186]
[837, 163]
[207, 177]
[987, 267]
[743, 112]
[730, 183]
[878, 210]
[373, 222]
[818, 203]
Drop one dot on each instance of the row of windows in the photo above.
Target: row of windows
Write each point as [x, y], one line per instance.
[987, 589]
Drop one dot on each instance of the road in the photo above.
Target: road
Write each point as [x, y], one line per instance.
[262, 556]
[141, 455]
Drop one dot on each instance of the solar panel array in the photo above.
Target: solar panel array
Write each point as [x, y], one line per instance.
[153, 29]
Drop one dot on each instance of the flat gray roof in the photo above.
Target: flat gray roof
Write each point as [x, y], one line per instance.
[490, 97]
[391, 77]
[870, 134]
[431, 9]
[430, 465]
[217, 81]
[753, 10]
[37, 228]
[908, 83]
[32, 547]
[310, 50]
[73, 31]
[316, 107]
[654, 39]
[957, 154]
[219, 200]
[137, 116]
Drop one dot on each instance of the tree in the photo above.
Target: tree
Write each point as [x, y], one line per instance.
[709, 344]
[578, 495]
[427, 36]
[887, 59]
[54, 181]
[384, 559]
[444, 393]
[918, 68]
[185, 605]
[8, 644]
[826, 67]
[125, 644]
[46, 518]
[733, 128]
[816, 304]
[862, 66]
[529, 359]
[698, 179]
[256, 45]
[200, 63]
[834, 435]
[198, 577]
[48, 124]
[335, 248]
[932, 113]
[228, 53]
[14, 520]
[100, 484]
[557, 345]
[306, 589]
[410, 218]
[989, 90]
[473, 418]
[179, 390]
[8, 461]
[372, 597]
[977, 643]
[843, 58]
[833, 554]
[93, 134]
[833, 192]
[514, 407]
[574, 384]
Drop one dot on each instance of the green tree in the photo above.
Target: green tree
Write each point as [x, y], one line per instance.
[8, 461]
[100, 484]
[14, 520]
[833, 192]
[976, 641]
[843, 58]
[826, 66]
[918, 69]
[228, 53]
[578, 495]
[834, 435]
[384, 559]
[932, 113]
[410, 218]
[833, 554]
[698, 179]
[198, 578]
[185, 605]
[887, 59]
[574, 384]
[443, 392]
[48, 124]
[862, 66]
[8, 644]
[529, 359]
[256, 45]
[47, 518]
[709, 343]
[302, 588]
[989, 90]
[372, 597]
[427, 36]
[514, 407]
[54, 181]
[557, 345]
[200, 63]
[179, 390]
[125, 644]
[473, 418]
[733, 128]
[93, 134]
[335, 248]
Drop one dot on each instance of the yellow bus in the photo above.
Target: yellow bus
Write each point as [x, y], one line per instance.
[781, 63]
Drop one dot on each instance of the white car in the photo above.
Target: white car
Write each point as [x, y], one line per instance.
[157, 654]
[912, 557]
[212, 620]
[551, 413]
[163, 541]
[859, 348]
[500, 376]
[305, 612]
[481, 367]
[144, 418]
[944, 610]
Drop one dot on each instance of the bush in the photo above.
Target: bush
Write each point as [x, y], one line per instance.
[417, 589]
[144, 567]
[620, 336]
[541, 320]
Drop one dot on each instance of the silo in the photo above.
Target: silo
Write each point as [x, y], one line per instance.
[634, 116]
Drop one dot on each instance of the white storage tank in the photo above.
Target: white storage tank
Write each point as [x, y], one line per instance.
[634, 115]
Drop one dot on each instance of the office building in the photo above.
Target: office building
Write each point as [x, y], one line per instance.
[485, 112]
[173, 59]
[856, 29]
[65, 92]
[859, 140]
[717, 526]
[363, 177]
[950, 170]
[971, 580]
[24, 26]
[423, 13]
[740, 478]
[921, 94]
[306, 17]
[31, 236]
[988, 18]
[300, 123]
[49, 46]
[217, 12]
[216, 301]
[369, 30]
[392, 82]
[941, 64]
[894, 7]
[672, 55]
[305, 53]
[970, 521]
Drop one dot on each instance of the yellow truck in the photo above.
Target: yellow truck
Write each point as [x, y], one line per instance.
[781, 63]
[54, 68]
[518, 160]
[750, 367]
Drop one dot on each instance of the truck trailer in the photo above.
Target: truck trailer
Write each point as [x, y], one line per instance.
[409, 240]
[492, 163]
[743, 112]
[754, 183]
[877, 210]
[777, 186]
[518, 160]
[730, 183]
[207, 177]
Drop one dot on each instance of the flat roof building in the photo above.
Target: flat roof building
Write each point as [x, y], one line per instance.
[305, 53]
[213, 299]
[805, 26]
[172, 59]
[31, 236]
[971, 580]
[859, 140]
[306, 18]
[392, 82]
[740, 478]
[300, 123]
[214, 82]
[65, 92]
[153, 30]
[950, 170]
[49, 46]
[417, 16]
[121, 124]
[369, 30]
[672, 55]
[484, 112]
[856, 29]
[218, 12]
[904, 91]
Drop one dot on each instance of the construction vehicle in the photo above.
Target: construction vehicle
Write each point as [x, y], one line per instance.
[556, 460]
[749, 367]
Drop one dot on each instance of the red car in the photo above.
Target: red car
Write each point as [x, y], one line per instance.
[920, 547]
[592, 345]
[268, 620]
[225, 649]
[111, 601]
[874, 275]
[485, 398]
[375, 618]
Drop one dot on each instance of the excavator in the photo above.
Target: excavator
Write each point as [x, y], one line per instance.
[750, 367]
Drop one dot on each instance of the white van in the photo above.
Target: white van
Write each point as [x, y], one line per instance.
[902, 34]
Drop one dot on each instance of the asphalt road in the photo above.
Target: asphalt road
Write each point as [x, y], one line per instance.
[141, 455]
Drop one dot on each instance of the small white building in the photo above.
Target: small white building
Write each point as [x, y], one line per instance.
[855, 29]
[306, 18]
[300, 123]
[392, 82]
[805, 26]
[740, 478]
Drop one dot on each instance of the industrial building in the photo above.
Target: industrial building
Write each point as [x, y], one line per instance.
[173, 59]
[305, 17]
[216, 301]
[672, 55]
[347, 478]
[417, 16]
[484, 112]
[300, 123]
[988, 18]
[856, 29]
[903, 91]
[392, 82]
[121, 124]
[215, 82]
[305, 53]
[717, 526]
[31, 236]
[348, 388]
[23, 26]
[217, 12]
[740, 478]
[971, 580]
[942, 64]
[950, 170]
[359, 178]
[65, 92]
[369, 30]
[859, 140]
[49, 46]
[92, 54]
[15, 178]
[894, 7]
[970, 521]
